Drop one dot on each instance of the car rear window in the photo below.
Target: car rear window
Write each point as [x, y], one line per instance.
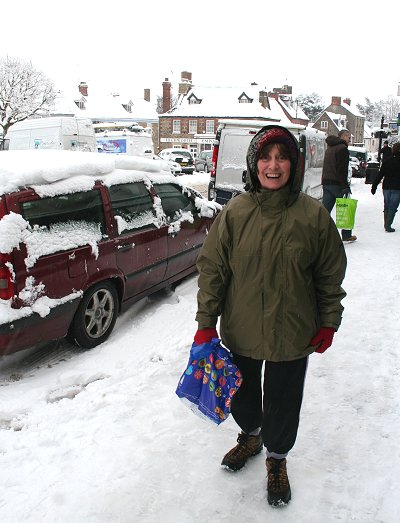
[181, 154]
[76, 207]
[133, 207]
[174, 201]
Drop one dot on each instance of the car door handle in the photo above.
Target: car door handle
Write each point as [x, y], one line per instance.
[126, 247]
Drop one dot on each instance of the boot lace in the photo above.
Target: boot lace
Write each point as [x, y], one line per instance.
[242, 448]
[277, 476]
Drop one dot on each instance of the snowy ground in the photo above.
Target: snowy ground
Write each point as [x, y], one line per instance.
[99, 436]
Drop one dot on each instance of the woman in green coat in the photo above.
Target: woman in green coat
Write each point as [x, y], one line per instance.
[271, 269]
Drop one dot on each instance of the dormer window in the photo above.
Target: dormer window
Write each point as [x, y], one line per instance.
[244, 99]
[80, 104]
[192, 99]
[128, 107]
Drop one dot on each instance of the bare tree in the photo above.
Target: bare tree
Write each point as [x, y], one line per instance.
[159, 107]
[24, 92]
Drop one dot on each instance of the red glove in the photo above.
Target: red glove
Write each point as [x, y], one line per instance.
[323, 339]
[205, 335]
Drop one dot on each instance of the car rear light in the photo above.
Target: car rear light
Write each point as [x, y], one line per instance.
[6, 278]
[213, 168]
[363, 165]
[211, 193]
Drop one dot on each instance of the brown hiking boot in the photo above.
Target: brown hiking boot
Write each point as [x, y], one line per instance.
[279, 493]
[350, 239]
[247, 446]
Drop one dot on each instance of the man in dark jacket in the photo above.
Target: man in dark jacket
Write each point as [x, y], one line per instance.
[271, 268]
[335, 172]
[386, 151]
[390, 173]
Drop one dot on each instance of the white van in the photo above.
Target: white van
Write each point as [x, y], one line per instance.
[362, 156]
[132, 140]
[53, 132]
[228, 176]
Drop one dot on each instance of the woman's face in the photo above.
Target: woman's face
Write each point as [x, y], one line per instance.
[273, 169]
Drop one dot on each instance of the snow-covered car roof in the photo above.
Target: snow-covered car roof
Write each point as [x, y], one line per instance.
[51, 172]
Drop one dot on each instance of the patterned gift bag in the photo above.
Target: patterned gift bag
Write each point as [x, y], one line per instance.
[209, 381]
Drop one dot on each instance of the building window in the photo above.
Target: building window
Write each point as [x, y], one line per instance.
[192, 126]
[244, 101]
[193, 149]
[210, 126]
[324, 124]
[176, 126]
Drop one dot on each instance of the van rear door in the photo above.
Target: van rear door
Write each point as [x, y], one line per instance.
[231, 162]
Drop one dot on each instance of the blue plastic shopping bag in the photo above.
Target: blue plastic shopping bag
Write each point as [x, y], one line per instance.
[209, 381]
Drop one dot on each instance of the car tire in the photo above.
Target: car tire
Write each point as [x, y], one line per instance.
[96, 315]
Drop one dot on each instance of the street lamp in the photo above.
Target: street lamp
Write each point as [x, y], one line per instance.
[380, 140]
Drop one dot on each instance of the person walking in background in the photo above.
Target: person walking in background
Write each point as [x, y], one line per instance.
[386, 151]
[390, 174]
[271, 267]
[335, 172]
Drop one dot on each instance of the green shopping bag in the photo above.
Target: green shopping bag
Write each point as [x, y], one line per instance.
[345, 213]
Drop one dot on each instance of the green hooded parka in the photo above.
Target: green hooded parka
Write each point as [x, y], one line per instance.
[271, 267]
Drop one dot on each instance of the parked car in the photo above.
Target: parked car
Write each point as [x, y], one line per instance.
[174, 167]
[362, 156]
[83, 236]
[204, 161]
[354, 165]
[183, 156]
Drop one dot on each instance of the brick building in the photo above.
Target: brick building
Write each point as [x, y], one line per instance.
[339, 116]
[191, 121]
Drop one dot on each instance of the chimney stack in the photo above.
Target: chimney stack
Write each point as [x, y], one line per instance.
[166, 103]
[347, 101]
[147, 95]
[186, 76]
[336, 100]
[186, 82]
[263, 99]
[83, 88]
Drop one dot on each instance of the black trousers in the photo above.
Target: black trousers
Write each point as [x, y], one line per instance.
[273, 403]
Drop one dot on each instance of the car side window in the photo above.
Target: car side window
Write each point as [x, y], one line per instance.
[174, 201]
[133, 207]
[77, 207]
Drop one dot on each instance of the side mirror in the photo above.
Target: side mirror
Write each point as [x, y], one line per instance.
[244, 176]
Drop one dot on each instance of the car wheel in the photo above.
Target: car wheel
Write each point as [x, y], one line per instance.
[96, 315]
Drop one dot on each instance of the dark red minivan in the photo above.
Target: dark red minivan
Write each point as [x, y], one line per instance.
[83, 236]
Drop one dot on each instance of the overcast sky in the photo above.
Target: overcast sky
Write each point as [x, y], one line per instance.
[341, 49]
